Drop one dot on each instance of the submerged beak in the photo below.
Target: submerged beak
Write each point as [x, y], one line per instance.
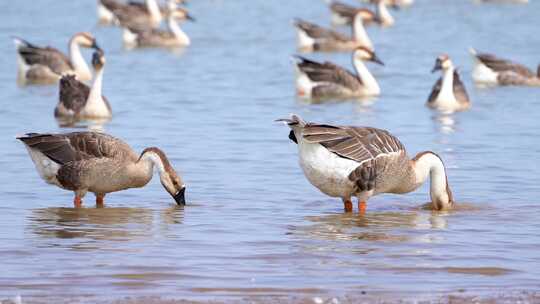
[180, 197]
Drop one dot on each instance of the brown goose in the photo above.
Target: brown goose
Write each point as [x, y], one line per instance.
[362, 161]
[312, 37]
[343, 13]
[449, 93]
[174, 36]
[78, 101]
[327, 80]
[95, 162]
[45, 65]
[491, 70]
[138, 15]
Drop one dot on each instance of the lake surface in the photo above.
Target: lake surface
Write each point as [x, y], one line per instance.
[254, 227]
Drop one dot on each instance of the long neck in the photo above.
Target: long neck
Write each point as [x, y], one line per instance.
[447, 88]
[153, 9]
[77, 60]
[360, 34]
[95, 91]
[368, 81]
[383, 14]
[144, 168]
[177, 31]
[429, 164]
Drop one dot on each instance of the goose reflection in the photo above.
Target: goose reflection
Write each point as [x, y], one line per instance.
[117, 224]
[446, 123]
[96, 125]
[390, 227]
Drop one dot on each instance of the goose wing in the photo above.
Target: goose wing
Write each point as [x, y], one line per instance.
[459, 89]
[73, 93]
[77, 146]
[503, 65]
[47, 56]
[319, 33]
[329, 73]
[343, 9]
[435, 90]
[360, 144]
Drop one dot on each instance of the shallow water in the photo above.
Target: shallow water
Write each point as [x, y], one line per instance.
[254, 226]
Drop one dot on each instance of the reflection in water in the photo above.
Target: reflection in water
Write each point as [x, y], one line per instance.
[90, 124]
[445, 121]
[118, 224]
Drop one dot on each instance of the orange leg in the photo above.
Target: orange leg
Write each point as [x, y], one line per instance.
[347, 205]
[362, 206]
[77, 201]
[100, 200]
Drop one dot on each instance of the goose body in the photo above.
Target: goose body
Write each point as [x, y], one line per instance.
[343, 13]
[362, 162]
[95, 162]
[138, 15]
[327, 80]
[174, 36]
[45, 65]
[79, 101]
[312, 37]
[396, 3]
[448, 93]
[491, 70]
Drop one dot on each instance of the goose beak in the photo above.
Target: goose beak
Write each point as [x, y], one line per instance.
[95, 46]
[437, 66]
[377, 60]
[180, 197]
[190, 18]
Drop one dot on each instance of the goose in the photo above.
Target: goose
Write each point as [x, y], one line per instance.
[396, 3]
[99, 163]
[326, 80]
[491, 70]
[383, 16]
[45, 65]
[174, 36]
[138, 15]
[312, 37]
[344, 161]
[343, 14]
[448, 93]
[79, 101]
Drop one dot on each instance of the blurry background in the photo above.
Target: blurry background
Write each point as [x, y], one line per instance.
[254, 225]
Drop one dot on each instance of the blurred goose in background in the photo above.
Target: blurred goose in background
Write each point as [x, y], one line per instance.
[327, 80]
[491, 70]
[448, 93]
[137, 14]
[79, 101]
[312, 37]
[174, 36]
[95, 162]
[45, 65]
[343, 14]
[343, 161]
[396, 3]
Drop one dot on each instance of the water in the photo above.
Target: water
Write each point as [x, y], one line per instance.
[254, 226]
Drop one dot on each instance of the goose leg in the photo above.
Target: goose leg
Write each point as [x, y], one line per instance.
[362, 206]
[347, 205]
[77, 201]
[100, 200]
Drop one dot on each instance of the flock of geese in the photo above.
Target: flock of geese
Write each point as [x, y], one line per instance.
[341, 161]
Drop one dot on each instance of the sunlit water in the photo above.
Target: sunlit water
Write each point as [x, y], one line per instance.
[254, 226]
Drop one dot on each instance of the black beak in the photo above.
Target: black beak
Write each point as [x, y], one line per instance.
[437, 66]
[377, 60]
[95, 46]
[190, 18]
[180, 197]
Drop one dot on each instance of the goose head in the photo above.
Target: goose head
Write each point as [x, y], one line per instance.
[363, 54]
[86, 40]
[170, 180]
[442, 62]
[98, 59]
[181, 14]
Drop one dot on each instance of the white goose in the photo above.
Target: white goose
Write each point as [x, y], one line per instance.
[449, 93]
[327, 80]
[78, 101]
[312, 37]
[344, 161]
[491, 70]
[45, 65]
